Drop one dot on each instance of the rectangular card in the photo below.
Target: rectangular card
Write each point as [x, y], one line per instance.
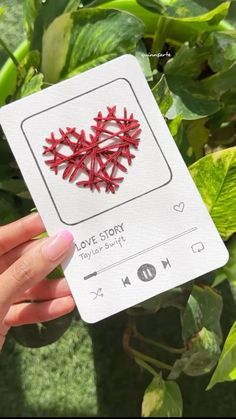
[99, 160]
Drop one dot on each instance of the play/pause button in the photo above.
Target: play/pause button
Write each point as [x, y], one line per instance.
[146, 272]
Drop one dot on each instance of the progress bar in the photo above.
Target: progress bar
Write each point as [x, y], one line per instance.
[148, 249]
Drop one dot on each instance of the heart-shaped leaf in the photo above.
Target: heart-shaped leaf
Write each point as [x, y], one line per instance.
[84, 39]
[162, 399]
[203, 310]
[226, 368]
[215, 177]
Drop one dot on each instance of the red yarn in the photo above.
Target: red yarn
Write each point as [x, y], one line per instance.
[99, 159]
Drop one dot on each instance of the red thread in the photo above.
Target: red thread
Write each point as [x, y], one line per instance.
[95, 162]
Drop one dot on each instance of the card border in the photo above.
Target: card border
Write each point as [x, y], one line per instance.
[75, 97]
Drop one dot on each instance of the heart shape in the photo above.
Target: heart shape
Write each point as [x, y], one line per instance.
[179, 207]
[95, 162]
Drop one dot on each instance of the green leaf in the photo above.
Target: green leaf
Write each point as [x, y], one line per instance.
[191, 99]
[191, 138]
[30, 10]
[12, 207]
[226, 368]
[188, 61]
[177, 297]
[203, 310]
[187, 10]
[223, 51]
[220, 82]
[32, 85]
[162, 95]
[162, 399]
[83, 39]
[229, 270]
[153, 5]
[200, 358]
[42, 334]
[48, 11]
[143, 58]
[215, 177]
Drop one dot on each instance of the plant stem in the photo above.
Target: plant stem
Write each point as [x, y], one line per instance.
[160, 345]
[146, 366]
[159, 40]
[8, 72]
[156, 362]
[9, 53]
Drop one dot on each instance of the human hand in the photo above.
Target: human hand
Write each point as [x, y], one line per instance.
[25, 295]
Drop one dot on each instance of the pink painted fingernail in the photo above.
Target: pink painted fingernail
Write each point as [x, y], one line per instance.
[58, 246]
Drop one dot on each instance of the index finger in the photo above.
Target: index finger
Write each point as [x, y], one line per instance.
[20, 231]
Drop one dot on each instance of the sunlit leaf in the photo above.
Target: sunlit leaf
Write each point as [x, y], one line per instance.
[32, 84]
[215, 177]
[203, 310]
[162, 399]
[226, 368]
[162, 95]
[69, 36]
[200, 358]
[187, 10]
[143, 58]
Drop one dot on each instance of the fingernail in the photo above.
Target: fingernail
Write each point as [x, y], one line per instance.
[58, 246]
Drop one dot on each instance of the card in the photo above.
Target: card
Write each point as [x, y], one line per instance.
[99, 160]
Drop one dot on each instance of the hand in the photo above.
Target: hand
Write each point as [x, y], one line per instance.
[25, 295]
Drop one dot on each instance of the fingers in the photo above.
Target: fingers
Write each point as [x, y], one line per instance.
[46, 290]
[29, 313]
[34, 265]
[20, 231]
[3, 332]
[10, 257]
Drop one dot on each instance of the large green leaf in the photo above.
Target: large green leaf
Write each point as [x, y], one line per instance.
[191, 99]
[200, 358]
[226, 368]
[188, 61]
[215, 177]
[187, 10]
[203, 310]
[84, 39]
[162, 399]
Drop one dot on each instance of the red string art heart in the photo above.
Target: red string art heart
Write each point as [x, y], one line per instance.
[95, 162]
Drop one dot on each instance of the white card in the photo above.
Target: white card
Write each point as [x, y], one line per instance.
[154, 232]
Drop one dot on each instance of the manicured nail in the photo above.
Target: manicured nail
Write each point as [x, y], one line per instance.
[58, 246]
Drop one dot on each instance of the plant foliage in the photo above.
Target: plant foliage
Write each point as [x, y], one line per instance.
[187, 50]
